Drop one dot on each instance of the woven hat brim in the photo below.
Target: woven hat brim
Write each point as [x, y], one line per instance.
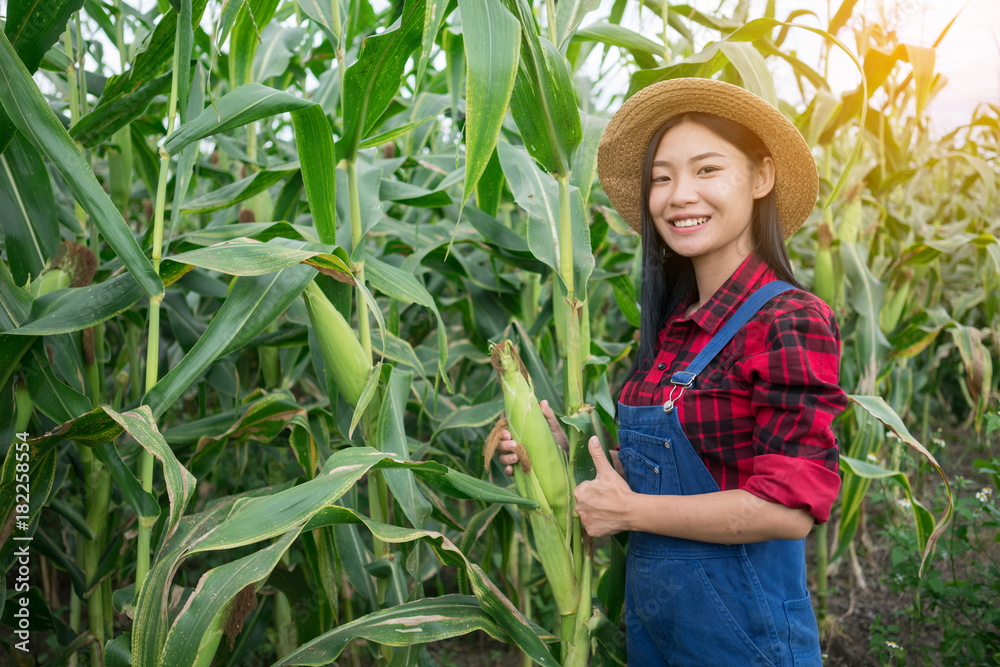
[623, 145]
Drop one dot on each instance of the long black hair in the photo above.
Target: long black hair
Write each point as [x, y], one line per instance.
[667, 277]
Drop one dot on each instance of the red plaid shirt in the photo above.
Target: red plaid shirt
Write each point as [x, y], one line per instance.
[760, 413]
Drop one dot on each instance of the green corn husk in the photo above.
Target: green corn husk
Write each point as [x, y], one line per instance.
[892, 309]
[73, 265]
[823, 283]
[342, 351]
[542, 476]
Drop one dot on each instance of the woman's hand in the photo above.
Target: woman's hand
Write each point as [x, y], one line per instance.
[507, 444]
[603, 503]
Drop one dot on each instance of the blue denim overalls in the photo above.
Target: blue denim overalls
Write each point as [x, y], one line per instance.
[696, 603]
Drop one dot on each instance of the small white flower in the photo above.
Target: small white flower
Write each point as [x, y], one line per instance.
[984, 495]
[904, 503]
[892, 645]
[872, 458]
[899, 578]
[891, 435]
[939, 442]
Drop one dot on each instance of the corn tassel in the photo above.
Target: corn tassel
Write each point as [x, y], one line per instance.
[542, 476]
[345, 358]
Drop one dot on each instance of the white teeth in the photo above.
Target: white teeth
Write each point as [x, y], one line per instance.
[690, 222]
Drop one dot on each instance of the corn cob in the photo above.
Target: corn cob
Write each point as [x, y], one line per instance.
[823, 283]
[345, 358]
[529, 428]
[542, 476]
[892, 309]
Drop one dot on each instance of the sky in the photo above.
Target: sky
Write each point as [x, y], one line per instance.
[968, 56]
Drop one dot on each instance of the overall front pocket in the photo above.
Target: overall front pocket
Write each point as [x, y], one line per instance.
[642, 474]
[696, 619]
[803, 633]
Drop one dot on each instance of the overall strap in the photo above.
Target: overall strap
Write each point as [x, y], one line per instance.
[749, 308]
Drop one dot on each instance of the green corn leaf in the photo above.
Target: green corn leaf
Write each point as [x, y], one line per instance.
[391, 438]
[33, 116]
[317, 155]
[491, 37]
[753, 70]
[57, 553]
[644, 50]
[73, 516]
[261, 231]
[923, 519]
[262, 421]
[978, 365]
[76, 308]
[195, 634]
[180, 483]
[247, 257]
[32, 29]
[404, 286]
[117, 652]
[150, 626]
[253, 520]
[569, 15]
[878, 408]
[43, 471]
[245, 38]
[322, 12]
[412, 195]
[230, 10]
[395, 133]
[418, 622]
[15, 301]
[367, 394]
[29, 224]
[435, 12]
[354, 556]
[922, 59]
[867, 297]
[624, 292]
[543, 102]
[239, 191]
[471, 416]
[585, 156]
[53, 398]
[538, 194]
[526, 635]
[153, 60]
[377, 75]
[146, 506]
[243, 105]
[277, 46]
[253, 304]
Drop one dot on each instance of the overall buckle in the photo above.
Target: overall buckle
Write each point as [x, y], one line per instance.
[681, 381]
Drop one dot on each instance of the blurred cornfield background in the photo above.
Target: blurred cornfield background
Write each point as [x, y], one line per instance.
[255, 256]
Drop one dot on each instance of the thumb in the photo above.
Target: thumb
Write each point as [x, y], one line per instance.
[600, 459]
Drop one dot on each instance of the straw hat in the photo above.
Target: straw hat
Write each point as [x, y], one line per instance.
[623, 146]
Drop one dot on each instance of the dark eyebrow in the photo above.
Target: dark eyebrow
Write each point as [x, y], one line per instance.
[696, 158]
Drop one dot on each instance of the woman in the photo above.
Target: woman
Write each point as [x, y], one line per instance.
[727, 457]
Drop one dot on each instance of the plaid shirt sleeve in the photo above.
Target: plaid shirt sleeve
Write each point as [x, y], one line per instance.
[794, 398]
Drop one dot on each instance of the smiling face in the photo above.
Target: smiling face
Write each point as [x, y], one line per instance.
[701, 196]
